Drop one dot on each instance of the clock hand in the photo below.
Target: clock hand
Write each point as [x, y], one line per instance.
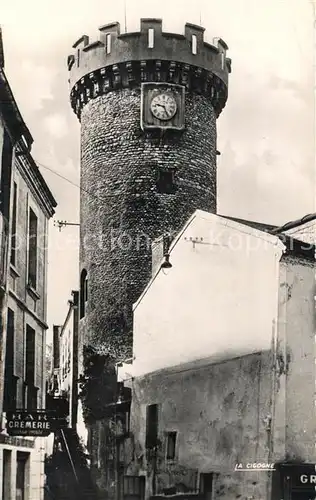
[161, 105]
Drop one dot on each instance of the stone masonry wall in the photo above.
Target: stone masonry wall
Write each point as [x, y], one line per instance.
[220, 413]
[121, 210]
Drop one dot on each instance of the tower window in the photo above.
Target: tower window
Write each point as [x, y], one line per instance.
[83, 292]
[151, 426]
[171, 445]
[166, 182]
[108, 43]
[151, 35]
[194, 44]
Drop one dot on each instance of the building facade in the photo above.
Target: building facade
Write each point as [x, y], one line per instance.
[223, 336]
[224, 369]
[26, 207]
[148, 104]
[63, 380]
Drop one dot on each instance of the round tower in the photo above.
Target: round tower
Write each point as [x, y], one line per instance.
[147, 103]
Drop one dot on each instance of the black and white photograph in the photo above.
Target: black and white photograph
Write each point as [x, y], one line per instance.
[157, 250]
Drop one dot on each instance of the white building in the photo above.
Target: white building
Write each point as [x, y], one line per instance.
[224, 368]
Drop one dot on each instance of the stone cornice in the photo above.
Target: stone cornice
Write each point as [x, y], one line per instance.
[24, 306]
[35, 181]
[151, 43]
[131, 74]
[12, 117]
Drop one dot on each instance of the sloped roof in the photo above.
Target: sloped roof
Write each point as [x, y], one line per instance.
[256, 225]
[209, 216]
[305, 232]
[289, 234]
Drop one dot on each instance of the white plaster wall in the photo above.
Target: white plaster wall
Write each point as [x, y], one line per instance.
[66, 342]
[81, 426]
[34, 469]
[296, 340]
[218, 300]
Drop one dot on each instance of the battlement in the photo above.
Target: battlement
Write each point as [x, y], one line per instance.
[114, 47]
[121, 60]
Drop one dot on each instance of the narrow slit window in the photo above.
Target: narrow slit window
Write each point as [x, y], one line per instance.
[194, 44]
[151, 35]
[78, 58]
[83, 292]
[108, 43]
[223, 60]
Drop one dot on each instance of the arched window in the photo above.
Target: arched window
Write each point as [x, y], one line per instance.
[83, 292]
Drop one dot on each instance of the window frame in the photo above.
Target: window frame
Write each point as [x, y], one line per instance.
[168, 188]
[83, 295]
[174, 436]
[14, 222]
[32, 273]
[152, 426]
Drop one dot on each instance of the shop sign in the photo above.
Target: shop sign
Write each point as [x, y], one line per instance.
[31, 423]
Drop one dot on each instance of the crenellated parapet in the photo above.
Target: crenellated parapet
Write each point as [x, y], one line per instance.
[123, 60]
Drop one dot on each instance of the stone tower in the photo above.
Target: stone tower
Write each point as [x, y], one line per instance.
[148, 103]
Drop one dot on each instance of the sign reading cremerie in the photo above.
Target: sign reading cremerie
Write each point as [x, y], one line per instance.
[30, 423]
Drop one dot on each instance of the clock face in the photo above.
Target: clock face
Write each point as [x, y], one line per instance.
[163, 106]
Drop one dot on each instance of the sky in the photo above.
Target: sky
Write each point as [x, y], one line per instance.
[266, 171]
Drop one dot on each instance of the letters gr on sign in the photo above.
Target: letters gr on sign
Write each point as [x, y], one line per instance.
[301, 477]
[33, 423]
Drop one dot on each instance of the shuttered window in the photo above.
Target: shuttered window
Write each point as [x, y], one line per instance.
[171, 445]
[13, 227]
[32, 248]
[134, 487]
[10, 387]
[30, 356]
[151, 426]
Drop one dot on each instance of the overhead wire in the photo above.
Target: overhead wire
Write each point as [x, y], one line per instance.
[91, 193]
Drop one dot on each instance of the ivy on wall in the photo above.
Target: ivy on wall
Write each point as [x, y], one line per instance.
[97, 385]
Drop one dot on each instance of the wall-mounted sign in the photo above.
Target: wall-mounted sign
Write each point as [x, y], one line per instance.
[299, 480]
[32, 423]
[300, 475]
